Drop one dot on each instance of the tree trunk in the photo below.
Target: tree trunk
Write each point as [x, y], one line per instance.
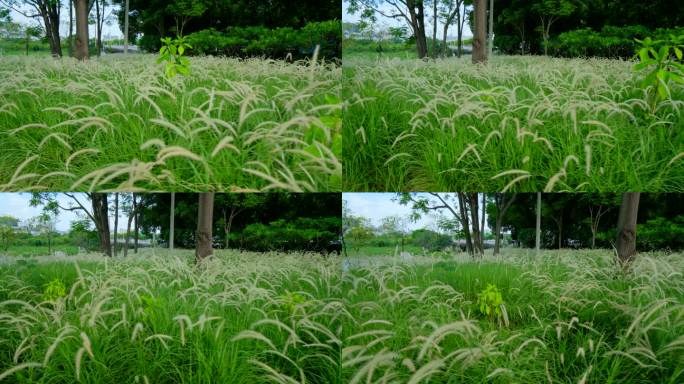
[461, 24]
[538, 232]
[560, 231]
[127, 10]
[627, 227]
[98, 27]
[434, 29]
[465, 223]
[480, 35]
[502, 206]
[101, 216]
[477, 240]
[71, 27]
[171, 220]
[50, 14]
[482, 224]
[28, 39]
[136, 225]
[418, 25]
[81, 29]
[116, 222]
[205, 213]
[128, 231]
[490, 35]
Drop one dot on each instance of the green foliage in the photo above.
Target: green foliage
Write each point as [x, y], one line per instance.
[292, 300]
[274, 43]
[7, 236]
[54, 290]
[490, 301]
[430, 240]
[610, 42]
[661, 233]
[172, 54]
[661, 61]
[288, 235]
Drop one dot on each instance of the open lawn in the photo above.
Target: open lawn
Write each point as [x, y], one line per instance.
[118, 123]
[566, 316]
[516, 124]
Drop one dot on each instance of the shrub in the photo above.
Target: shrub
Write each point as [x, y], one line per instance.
[273, 43]
[309, 234]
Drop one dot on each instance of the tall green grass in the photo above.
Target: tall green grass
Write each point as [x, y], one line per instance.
[516, 124]
[567, 316]
[117, 123]
[240, 318]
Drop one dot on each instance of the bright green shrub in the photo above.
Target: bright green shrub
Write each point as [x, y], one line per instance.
[275, 43]
[490, 301]
[54, 290]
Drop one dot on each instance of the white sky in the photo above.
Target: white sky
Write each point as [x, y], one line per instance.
[17, 205]
[387, 22]
[376, 206]
[112, 30]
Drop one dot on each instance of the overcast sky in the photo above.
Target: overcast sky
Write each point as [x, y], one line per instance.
[17, 205]
[112, 29]
[385, 21]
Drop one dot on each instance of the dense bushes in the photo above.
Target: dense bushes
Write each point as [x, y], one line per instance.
[273, 43]
[281, 235]
[611, 42]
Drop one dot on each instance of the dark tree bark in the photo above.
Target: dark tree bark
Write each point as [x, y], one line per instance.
[81, 29]
[116, 222]
[136, 224]
[538, 231]
[101, 219]
[204, 226]
[478, 251]
[482, 223]
[627, 227]
[417, 18]
[127, 11]
[434, 29]
[502, 205]
[172, 215]
[480, 35]
[465, 222]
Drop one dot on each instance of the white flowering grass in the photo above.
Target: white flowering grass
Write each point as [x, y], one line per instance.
[516, 124]
[118, 123]
[568, 316]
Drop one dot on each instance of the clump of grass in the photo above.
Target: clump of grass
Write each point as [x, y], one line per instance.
[519, 124]
[119, 123]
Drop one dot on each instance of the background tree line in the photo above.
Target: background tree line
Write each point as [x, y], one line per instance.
[114, 223]
[273, 28]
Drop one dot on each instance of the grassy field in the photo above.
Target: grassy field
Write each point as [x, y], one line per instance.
[37, 250]
[518, 124]
[566, 316]
[242, 318]
[118, 123]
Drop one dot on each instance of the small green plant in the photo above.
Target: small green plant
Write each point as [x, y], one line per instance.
[54, 290]
[291, 300]
[490, 301]
[172, 52]
[662, 61]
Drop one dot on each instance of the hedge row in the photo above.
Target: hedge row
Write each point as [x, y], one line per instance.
[610, 42]
[272, 43]
[301, 234]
